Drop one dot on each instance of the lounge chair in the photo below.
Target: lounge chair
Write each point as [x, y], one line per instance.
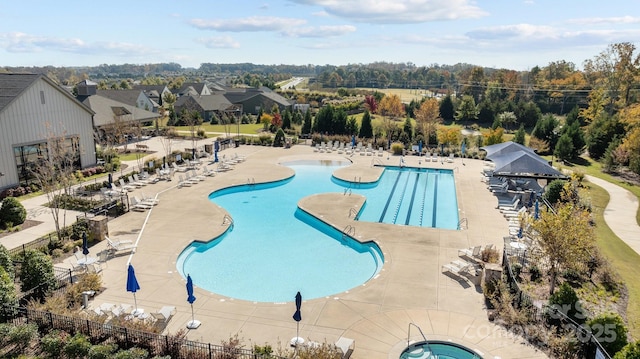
[450, 158]
[143, 202]
[473, 252]
[182, 182]
[456, 267]
[135, 183]
[346, 345]
[164, 314]
[196, 176]
[94, 268]
[120, 246]
[126, 187]
[137, 205]
[208, 172]
[179, 168]
[149, 200]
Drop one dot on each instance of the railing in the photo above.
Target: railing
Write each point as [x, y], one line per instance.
[456, 169]
[465, 222]
[157, 345]
[348, 231]
[357, 180]
[549, 206]
[251, 181]
[354, 212]
[376, 161]
[347, 191]
[409, 333]
[227, 220]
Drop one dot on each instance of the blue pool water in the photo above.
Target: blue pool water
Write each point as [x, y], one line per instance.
[274, 249]
[438, 349]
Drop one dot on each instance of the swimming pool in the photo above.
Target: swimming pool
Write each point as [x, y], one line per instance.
[438, 349]
[424, 197]
[274, 249]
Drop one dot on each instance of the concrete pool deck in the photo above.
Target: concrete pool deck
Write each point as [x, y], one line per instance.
[410, 288]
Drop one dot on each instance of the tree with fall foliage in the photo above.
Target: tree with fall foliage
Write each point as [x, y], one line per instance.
[428, 118]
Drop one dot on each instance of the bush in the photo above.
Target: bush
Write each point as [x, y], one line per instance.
[553, 194]
[53, 343]
[7, 290]
[630, 351]
[133, 353]
[12, 211]
[397, 148]
[535, 273]
[6, 262]
[102, 351]
[77, 347]
[278, 140]
[565, 300]
[609, 330]
[22, 335]
[37, 273]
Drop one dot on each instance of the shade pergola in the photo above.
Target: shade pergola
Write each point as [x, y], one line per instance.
[504, 148]
[524, 164]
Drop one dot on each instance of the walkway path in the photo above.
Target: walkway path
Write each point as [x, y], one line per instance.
[620, 213]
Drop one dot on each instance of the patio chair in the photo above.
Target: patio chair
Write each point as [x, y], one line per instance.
[473, 252]
[94, 268]
[120, 246]
[182, 182]
[136, 205]
[126, 187]
[450, 158]
[149, 200]
[346, 345]
[164, 314]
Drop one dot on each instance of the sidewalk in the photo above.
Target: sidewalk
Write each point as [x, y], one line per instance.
[620, 213]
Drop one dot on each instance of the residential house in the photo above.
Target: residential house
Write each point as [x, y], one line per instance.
[33, 111]
[209, 106]
[154, 92]
[252, 100]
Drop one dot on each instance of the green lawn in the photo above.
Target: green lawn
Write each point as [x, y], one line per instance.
[624, 259]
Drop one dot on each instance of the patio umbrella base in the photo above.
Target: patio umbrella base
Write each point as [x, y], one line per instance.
[295, 341]
[193, 324]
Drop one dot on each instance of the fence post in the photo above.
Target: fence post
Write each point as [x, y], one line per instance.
[126, 337]
[70, 276]
[50, 320]
[166, 341]
[210, 353]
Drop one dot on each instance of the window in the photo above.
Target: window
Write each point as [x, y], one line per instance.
[42, 97]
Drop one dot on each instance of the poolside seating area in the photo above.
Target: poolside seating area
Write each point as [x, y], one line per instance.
[122, 246]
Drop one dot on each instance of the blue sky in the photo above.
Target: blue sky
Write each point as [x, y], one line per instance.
[514, 34]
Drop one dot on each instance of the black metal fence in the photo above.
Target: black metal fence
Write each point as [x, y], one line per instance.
[124, 338]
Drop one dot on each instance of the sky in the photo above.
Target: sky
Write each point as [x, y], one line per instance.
[512, 34]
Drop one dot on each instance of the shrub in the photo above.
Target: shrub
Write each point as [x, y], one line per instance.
[37, 273]
[53, 343]
[278, 140]
[22, 335]
[609, 330]
[77, 347]
[553, 194]
[565, 300]
[6, 262]
[102, 351]
[12, 211]
[630, 351]
[535, 273]
[490, 255]
[133, 353]
[7, 290]
[397, 148]
[87, 282]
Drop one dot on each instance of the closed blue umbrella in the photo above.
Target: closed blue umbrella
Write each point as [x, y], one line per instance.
[133, 286]
[520, 232]
[216, 147]
[420, 148]
[297, 316]
[193, 324]
[353, 141]
[85, 244]
[536, 210]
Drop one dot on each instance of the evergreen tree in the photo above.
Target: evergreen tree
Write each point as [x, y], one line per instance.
[564, 148]
[286, 119]
[306, 124]
[366, 130]
[446, 108]
[407, 129]
[37, 273]
[7, 290]
[352, 126]
[519, 136]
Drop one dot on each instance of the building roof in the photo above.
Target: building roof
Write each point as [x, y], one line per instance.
[216, 102]
[130, 97]
[12, 85]
[106, 108]
[242, 95]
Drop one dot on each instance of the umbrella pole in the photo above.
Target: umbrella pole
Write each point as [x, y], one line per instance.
[135, 304]
[192, 315]
[297, 332]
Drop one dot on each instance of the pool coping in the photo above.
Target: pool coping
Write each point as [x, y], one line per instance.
[410, 288]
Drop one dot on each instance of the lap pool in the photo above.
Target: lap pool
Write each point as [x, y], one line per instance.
[274, 249]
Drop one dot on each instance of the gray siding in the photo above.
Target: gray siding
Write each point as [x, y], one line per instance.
[28, 120]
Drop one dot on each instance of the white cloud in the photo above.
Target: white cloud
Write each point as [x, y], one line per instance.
[219, 42]
[526, 31]
[253, 23]
[398, 11]
[319, 31]
[22, 42]
[605, 20]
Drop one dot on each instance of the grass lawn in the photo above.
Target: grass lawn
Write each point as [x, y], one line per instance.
[624, 259]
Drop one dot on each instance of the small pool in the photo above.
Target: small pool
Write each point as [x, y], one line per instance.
[274, 249]
[435, 349]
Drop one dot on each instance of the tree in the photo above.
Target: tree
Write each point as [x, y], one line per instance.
[546, 130]
[54, 172]
[564, 148]
[407, 130]
[528, 113]
[610, 331]
[615, 71]
[428, 118]
[391, 108]
[507, 118]
[366, 131]
[566, 238]
[286, 119]
[352, 126]
[6, 262]
[278, 140]
[7, 290]
[467, 110]
[519, 136]
[371, 103]
[446, 108]
[12, 213]
[37, 274]
[494, 136]
[306, 124]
